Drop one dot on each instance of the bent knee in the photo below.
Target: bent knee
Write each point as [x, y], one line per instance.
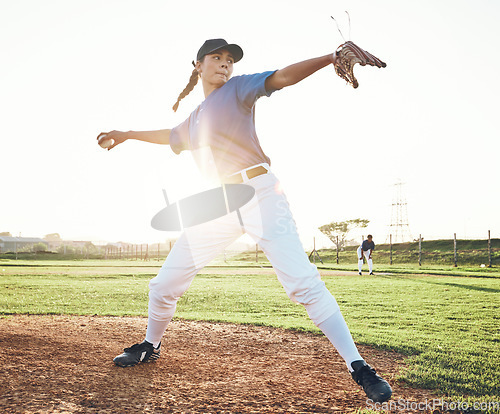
[306, 295]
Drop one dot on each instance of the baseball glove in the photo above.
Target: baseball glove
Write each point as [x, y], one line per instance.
[347, 55]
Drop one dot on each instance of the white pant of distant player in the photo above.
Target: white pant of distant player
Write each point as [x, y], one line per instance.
[369, 260]
[268, 220]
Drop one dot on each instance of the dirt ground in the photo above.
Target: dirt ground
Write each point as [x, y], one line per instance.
[63, 364]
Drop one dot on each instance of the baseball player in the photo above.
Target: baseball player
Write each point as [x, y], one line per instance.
[366, 249]
[221, 135]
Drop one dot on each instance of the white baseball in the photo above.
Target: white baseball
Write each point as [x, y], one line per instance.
[106, 143]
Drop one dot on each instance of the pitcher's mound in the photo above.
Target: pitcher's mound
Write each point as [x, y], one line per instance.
[63, 364]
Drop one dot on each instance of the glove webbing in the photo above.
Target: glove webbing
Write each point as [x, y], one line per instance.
[348, 54]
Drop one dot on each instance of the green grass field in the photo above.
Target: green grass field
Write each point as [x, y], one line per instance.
[448, 326]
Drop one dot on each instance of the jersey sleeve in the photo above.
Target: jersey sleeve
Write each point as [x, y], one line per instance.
[252, 87]
[179, 137]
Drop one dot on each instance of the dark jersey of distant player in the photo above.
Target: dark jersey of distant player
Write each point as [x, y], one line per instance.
[368, 246]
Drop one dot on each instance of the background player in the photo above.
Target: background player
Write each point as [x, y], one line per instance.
[366, 249]
[221, 135]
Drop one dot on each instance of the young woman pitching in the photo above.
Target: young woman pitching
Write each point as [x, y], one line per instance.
[221, 134]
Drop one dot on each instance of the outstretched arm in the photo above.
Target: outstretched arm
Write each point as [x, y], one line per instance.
[298, 71]
[161, 136]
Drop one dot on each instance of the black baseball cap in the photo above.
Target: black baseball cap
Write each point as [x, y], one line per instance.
[212, 45]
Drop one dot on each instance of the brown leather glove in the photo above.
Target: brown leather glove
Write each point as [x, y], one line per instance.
[347, 55]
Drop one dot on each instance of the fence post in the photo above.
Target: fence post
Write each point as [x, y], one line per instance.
[390, 241]
[314, 250]
[337, 244]
[420, 250]
[489, 249]
[455, 249]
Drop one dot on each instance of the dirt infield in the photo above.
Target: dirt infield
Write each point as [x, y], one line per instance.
[63, 364]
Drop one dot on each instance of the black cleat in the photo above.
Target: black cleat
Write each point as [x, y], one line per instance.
[143, 352]
[360, 273]
[371, 273]
[376, 388]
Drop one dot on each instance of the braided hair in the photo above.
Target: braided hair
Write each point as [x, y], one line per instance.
[193, 80]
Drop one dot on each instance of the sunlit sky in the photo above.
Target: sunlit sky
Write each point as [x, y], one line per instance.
[72, 68]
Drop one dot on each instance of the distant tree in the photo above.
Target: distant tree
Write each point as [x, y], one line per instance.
[52, 237]
[337, 231]
[6, 234]
[66, 250]
[90, 248]
[39, 247]
[27, 248]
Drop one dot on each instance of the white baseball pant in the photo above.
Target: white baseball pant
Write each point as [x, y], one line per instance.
[369, 260]
[268, 220]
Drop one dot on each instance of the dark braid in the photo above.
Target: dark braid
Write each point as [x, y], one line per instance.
[193, 80]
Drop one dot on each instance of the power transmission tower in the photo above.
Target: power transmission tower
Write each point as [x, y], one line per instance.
[399, 227]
